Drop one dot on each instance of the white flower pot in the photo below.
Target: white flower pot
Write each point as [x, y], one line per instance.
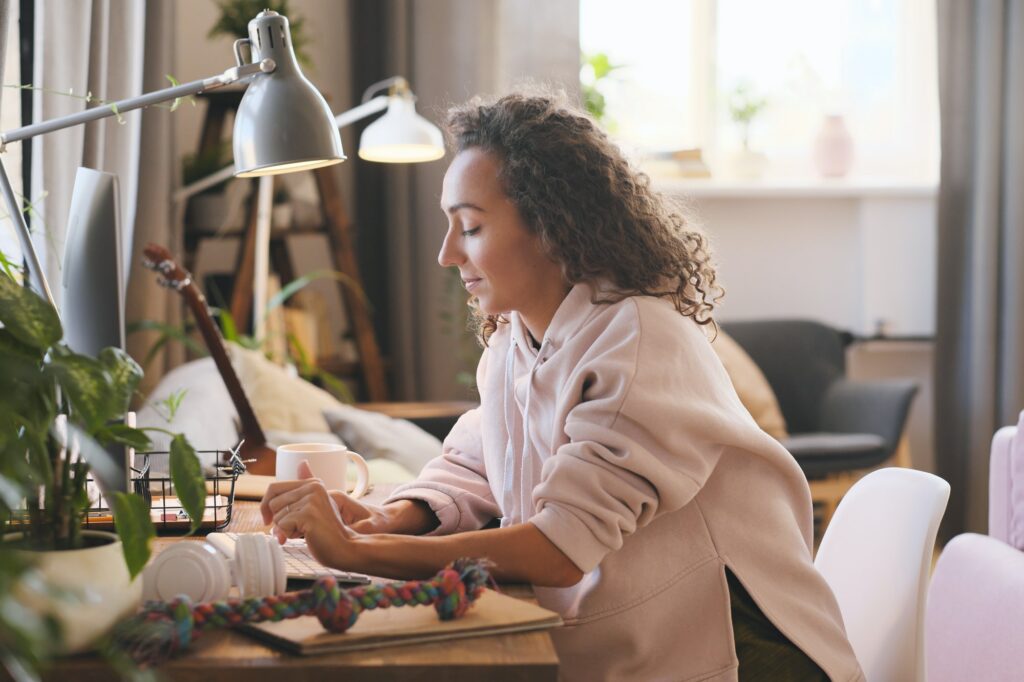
[97, 590]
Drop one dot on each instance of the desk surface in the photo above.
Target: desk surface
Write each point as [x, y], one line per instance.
[229, 656]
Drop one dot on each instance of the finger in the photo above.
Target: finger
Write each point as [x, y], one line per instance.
[273, 490]
[293, 496]
[289, 523]
[305, 471]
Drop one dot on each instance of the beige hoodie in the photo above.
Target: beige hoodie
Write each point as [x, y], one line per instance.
[623, 441]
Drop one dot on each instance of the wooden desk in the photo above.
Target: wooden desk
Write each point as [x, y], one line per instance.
[229, 656]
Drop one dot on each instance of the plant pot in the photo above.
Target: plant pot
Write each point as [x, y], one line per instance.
[748, 165]
[96, 589]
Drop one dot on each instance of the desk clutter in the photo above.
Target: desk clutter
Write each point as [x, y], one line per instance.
[328, 618]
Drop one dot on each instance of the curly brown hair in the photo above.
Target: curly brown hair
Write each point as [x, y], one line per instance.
[595, 214]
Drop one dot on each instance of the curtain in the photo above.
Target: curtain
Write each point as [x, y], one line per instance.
[104, 50]
[449, 50]
[979, 375]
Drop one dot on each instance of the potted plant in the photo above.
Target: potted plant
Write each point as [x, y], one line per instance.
[744, 107]
[59, 410]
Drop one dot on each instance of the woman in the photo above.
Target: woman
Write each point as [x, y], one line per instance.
[635, 492]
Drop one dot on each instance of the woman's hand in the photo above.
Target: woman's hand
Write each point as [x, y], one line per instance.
[305, 508]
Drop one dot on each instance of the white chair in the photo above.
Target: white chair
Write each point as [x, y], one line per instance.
[876, 555]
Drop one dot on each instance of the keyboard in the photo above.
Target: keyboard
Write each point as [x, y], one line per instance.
[300, 565]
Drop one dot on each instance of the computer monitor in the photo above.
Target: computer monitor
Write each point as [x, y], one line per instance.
[93, 285]
[93, 292]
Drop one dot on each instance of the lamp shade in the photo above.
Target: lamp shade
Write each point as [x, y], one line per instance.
[283, 123]
[401, 135]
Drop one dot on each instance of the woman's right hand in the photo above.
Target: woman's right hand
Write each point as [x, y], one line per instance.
[407, 517]
[362, 518]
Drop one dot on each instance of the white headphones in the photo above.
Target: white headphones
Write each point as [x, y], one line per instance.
[206, 571]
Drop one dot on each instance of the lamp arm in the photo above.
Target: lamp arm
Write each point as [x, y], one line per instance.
[37, 279]
[375, 105]
[232, 75]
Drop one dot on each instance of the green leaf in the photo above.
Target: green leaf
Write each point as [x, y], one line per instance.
[107, 472]
[299, 283]
[87, 383]
[126, 435]
[135, 527]
[28, 317]
[188, 480]
[227, 324]
[125, 375]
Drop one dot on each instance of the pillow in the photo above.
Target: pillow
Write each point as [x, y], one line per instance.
[281, 400]
[375, 435]
[751, 386]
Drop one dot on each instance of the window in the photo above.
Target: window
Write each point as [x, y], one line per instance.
[871, 61]
[10, 117]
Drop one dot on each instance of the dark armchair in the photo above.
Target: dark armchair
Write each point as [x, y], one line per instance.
[835, 424]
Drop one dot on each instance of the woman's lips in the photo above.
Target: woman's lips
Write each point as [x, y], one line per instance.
[471, 282]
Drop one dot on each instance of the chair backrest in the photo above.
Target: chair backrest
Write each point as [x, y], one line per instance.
[876, 556]
[1006, 475]
[975, 621]
[800, 359]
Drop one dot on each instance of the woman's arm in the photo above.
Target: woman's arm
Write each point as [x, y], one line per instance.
[520, 553]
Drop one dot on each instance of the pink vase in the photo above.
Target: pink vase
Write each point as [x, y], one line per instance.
[833, 148]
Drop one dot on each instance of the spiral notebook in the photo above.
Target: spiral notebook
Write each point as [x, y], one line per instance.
[492, 614]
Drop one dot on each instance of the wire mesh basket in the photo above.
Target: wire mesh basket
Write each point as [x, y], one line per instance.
[166, 511]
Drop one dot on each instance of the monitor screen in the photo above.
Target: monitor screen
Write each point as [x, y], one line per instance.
[92, 297]
[93, 287]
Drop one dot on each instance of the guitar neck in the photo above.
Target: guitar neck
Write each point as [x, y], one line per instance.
[250, 426]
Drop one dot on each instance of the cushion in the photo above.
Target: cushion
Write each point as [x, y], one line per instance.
[751, 386]
[820, 454]
[281, 400]
[375, 435]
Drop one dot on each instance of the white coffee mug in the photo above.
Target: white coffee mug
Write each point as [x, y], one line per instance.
[328, 462]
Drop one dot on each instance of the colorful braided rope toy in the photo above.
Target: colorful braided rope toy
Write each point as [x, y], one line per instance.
[162, 629]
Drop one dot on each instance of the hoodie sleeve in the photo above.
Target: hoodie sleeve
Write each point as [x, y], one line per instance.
[643, 439]
[455, 484]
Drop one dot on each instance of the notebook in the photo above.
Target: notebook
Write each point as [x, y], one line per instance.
[492, 614]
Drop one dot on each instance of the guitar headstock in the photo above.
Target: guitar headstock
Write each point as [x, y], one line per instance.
[172, 275]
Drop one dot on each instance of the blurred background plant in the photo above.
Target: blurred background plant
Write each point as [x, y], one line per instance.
[235, 16]
[298, 355]
[595, 69]
[744, 106]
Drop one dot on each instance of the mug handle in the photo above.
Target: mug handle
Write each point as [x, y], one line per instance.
[362, 474]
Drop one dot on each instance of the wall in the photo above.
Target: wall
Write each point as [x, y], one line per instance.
[853, 255]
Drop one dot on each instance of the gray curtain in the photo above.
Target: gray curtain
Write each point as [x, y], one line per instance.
[979, 375]
[157, 177]
[451, 50]
[109, 49]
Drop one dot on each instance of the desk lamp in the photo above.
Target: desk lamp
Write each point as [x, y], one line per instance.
[285, 124]
[399, 136]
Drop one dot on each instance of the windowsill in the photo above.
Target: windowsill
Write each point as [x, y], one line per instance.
[809, 188]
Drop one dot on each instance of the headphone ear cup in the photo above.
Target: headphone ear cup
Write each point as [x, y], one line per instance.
[247, 565]
[190, 568]
[277, 559]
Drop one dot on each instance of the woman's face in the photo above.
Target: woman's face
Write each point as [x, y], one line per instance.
[500, 261]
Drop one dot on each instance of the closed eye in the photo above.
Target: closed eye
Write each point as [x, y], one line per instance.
[471, 231]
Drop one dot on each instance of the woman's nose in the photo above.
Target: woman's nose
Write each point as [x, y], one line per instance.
[450, 253]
